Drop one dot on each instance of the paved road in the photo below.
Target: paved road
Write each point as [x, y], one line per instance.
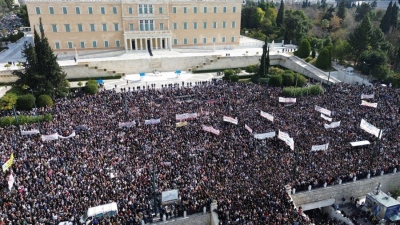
[13, 54]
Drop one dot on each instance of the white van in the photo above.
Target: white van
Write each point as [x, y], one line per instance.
[100, 211]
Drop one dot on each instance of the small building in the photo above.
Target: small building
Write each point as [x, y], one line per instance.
[382, 206]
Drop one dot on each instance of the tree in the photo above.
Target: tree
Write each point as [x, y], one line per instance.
[91, 87]
[393, 16]
[342, 11]
[264, 62]
[386, 19]
[362, 11]
[296, 25]
[323, 59]
[329, 13]
[26, 102]
[44, 100]
[42, 72]
[360, 39]
[340, 50]
[23, 14]
[304, 49]
[334, 24]
[374, 4]
[7, 101]
[279, 17]
[252, 17]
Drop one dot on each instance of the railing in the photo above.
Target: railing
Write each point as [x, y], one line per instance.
[149, 32]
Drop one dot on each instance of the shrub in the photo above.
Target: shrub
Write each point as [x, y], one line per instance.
[380, 72]
[304, 49]
[323, 59]
[316, 90]
[22, 119]
[25, 102]
[44, 101]
[91, 87]
[251, 68]
[234, 78]
[227, 74]
[288, 79]
[309, 58]
[275, 80]
[8, 100]
[300, 80]
[276, 71]
[302, 91]
[264, 80]
[80, 83]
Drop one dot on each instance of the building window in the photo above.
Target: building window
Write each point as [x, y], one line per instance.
[233, 24]
[232, 39]
[173, 9]
[92, 28]
[215, 9]
[80, 28]
[185, 25]
[94, 44]
[67, 28]
[185, 41]
[175, 25]
[214, 24]
[184, 9]
[195, 25]
[104, 25]
[90, 10]
[146, 25]
[175, 41]
[205, 9]
[214, 40]
[151, 9]
[65, 10]
[223, 39]
[140, 9]
[115, 10]
[223, 24]
[204, 40]
[141, 25]
[160, 10]
[102, 10]
[195, 9]
[82, 44]
[131, 27]
[105, 44]
[205, 25]
[57, 45]
[194, 40]
[234, 9]
[151, 24]
[145, 9]
[37, 10]
[116, 27]
[69, 45]
[130, 10]
[224, 9]
[77, 10]
[117, 43]
[54, 27]
[51, 10]
[161, 26]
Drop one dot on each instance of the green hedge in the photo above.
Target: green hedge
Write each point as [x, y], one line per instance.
[22, 119]
[26, 102]
[91, 87]
[44, 100]
[302, 91]
[95, 78]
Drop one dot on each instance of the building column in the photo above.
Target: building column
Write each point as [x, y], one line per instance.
[156, 42]
[141, 40]
[126, 46]
[170, 43]
[151, 43]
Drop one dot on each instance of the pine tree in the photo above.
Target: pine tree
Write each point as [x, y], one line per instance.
[342, 11]
[393, 16]
[360, 39]
[41, 73]
[385, 22]
[279, 17]
[263, 64]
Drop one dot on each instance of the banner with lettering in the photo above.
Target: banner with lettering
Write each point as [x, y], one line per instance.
[319, 147]
[181, 124]
[267, 116]
[50, 137]
[287, 100]
[323, 110]
[248, 128]
[367, 96]
[285, 137]
[370, 128]
[126, 124]
[210, 129]
[9, 163]
[69, 136]
[152, 121]
[265, 135]
[326, 118]
[230, 120]
[30, 132]
[332, 125]
[369, 104]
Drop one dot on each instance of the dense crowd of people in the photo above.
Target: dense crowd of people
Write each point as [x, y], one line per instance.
[59, 180]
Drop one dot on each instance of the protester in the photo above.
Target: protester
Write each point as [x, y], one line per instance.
[59, 180]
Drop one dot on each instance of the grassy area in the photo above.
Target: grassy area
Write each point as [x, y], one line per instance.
[247, 80]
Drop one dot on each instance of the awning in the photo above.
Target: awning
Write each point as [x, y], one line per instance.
[359, 143]
[178, 71]
[100, 81]
[142, 74]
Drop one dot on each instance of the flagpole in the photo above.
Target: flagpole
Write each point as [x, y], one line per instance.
[376, 148]
[295, 164]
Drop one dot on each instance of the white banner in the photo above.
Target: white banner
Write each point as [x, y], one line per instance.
[11, 181]
[265, 135]
[152, 121]
[287, 100]
[169, 196]
[370, 128]
[267, 116]
[230, 120]
[126, 124]
[359, 143]
[332, 125]
[210, 129]
[373, 105]
[319, 147]
[326, 118]
[185, 116]
[50, 137]
[323, 110]
[248, 128]
[29, 132]
[69, 136]
[285, 137]
[192, 115]
[367, 96]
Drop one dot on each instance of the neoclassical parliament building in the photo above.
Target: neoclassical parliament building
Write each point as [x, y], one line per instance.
[137, 24]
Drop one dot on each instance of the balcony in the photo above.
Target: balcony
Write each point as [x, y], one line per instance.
[148, 33]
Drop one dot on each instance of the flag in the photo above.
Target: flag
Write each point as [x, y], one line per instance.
[265, 135]
[367, 96]
[323, 110]
[374, 105]
[230, 120]
[285, 137]
[181, 124]
[287, 100]
[267, 116]
[9, 162]
[319, 147]
[11, 181]
[248, 128]
[326, 118]
[370, 128]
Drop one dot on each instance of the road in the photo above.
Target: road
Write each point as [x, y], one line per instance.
[13, 54]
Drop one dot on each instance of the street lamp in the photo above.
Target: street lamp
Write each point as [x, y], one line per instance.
[37, 117]
[367, 69]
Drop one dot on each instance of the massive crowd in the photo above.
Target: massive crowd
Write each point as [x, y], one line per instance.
[59, 180]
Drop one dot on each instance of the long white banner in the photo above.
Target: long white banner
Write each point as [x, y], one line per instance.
[285, 137]
[69, 136]
[367, 96]
[265, 135]
[370, 128]
[230, 120]
[373, 105]
[287, 100]
[319, 147]
[50, 137]
[326, 118]
[29, 132]
[185, 116]
[267, 116]
[210, 129]
[332, 125]
[126, 124]
[152, 121]
[248, 128]
[323, 110]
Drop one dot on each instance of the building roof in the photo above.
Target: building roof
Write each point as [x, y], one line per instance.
[383, 199]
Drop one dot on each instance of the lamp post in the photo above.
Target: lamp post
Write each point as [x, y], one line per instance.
[154, 188]
[16, 119]
[295, 164]
[367, 69]
[37, 117]
[376, 148]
